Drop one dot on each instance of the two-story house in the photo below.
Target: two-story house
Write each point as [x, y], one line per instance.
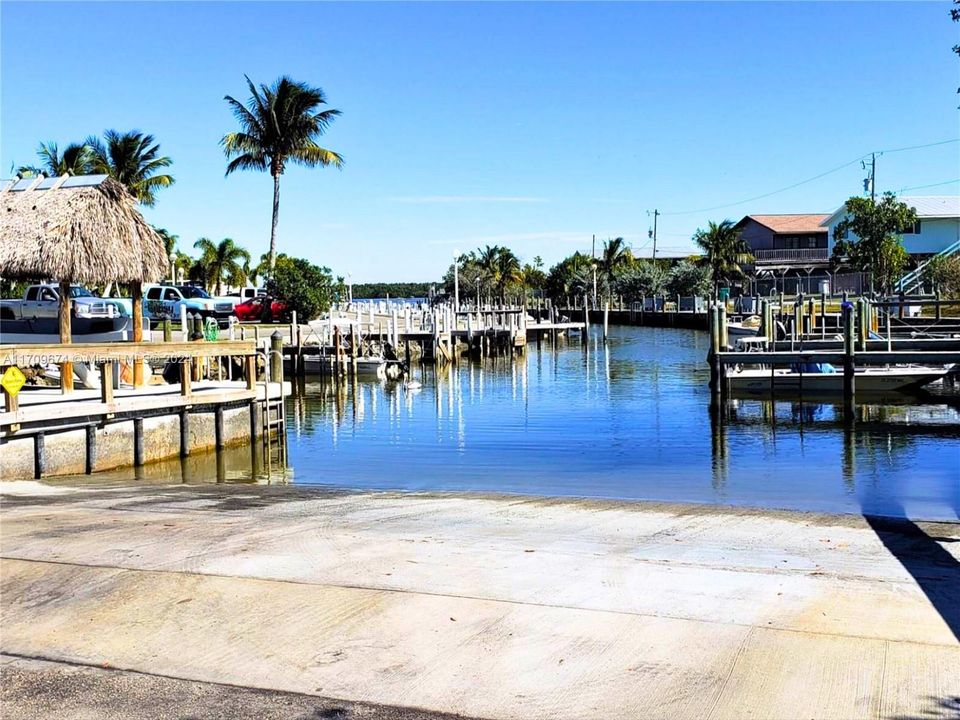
[937, 227]
[791, 252]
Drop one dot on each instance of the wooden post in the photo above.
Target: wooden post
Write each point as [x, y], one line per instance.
[106, 382]
[863, 323]
[250, 362]
[91, 449]
[184, 431]
[722, 328]
[186, 377]
[714, 357]
[136, 297]
[66, 367]
[276, 357]
[218, 433]
[823, 316]
[137, 442]
[167, 330]
[849, 383]
[39, 456]
[338, 350]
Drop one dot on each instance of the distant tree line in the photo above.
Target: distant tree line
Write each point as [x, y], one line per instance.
[375, 291]
[496, 274]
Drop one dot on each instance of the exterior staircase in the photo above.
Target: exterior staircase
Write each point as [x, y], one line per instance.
[914, 279]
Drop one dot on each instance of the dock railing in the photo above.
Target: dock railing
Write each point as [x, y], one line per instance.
[189, 356]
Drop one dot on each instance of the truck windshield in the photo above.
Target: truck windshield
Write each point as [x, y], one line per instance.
[77, 291]
[193, 292]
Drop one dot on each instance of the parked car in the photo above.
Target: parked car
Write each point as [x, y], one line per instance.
[43, 301]
[165, 301]
[244, 294]
[252, 310]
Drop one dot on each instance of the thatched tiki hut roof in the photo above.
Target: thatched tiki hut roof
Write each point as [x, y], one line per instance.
[84, 229]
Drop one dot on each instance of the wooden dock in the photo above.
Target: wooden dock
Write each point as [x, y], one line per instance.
[219, 383]
[860, 345]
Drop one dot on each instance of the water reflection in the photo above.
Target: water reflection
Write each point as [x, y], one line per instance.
[630, 418]
[627, 419]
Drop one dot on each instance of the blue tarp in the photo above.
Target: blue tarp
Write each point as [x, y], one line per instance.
[813, 368]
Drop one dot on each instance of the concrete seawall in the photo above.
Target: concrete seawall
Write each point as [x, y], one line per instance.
[686, 320]
[65, 451]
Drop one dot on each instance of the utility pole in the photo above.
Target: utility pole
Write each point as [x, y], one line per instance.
[872, 180]
[653, 234]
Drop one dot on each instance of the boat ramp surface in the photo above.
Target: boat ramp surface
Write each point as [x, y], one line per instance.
[493, 607]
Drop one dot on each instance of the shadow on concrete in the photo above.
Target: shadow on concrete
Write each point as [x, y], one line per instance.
[934, 569]
[943, 708]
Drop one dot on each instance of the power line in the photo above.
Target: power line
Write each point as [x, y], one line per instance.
[938, 184]
[815, 177]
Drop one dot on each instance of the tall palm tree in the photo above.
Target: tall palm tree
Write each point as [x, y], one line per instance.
[223, 261]
[134, 160]
[77, 159]
[725, 252]
[279, 124]
[616, 258]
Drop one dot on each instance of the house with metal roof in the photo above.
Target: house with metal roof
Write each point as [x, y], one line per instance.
[936, 230]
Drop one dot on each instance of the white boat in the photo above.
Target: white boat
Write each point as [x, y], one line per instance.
[372, 366]
[46, 331]
[748, 327]
[866, 380]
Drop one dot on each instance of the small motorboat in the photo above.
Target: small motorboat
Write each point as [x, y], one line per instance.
[748, 327]
[369, 366]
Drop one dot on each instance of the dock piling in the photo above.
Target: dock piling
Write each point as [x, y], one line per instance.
[849, 381]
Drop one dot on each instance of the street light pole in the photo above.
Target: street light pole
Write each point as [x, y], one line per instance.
[456, 281]
[349, 287]
[173, 268]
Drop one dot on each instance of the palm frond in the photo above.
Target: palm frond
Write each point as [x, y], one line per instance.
[311, 155]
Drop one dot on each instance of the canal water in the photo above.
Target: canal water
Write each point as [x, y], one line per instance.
[627, 420]
[630, 419]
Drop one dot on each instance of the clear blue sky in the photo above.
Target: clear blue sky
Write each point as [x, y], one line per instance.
[532, 125]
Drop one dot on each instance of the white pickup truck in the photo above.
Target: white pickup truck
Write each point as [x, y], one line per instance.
[165, 301]
[43, 301]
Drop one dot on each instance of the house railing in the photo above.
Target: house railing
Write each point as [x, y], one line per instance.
[785, 255]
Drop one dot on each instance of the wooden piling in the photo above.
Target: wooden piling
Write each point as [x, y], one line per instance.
[849, 367]
[138, 442]
[184, 433]
[91, 449]
[714, 357]
[39, 457]
[276, 357]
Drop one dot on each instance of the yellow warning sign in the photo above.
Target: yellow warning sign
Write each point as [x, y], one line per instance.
[12, 380]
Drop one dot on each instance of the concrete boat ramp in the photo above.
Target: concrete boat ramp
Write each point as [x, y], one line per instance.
[259, 601]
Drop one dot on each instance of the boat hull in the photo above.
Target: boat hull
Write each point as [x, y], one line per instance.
[46, 331]
[867, 380]
[374, 368]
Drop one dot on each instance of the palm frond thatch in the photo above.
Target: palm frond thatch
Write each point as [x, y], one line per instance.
[87, 234]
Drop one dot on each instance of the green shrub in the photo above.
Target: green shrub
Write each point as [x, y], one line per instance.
[302, 286]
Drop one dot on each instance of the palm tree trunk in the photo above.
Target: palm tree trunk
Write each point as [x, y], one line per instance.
[273, 224]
